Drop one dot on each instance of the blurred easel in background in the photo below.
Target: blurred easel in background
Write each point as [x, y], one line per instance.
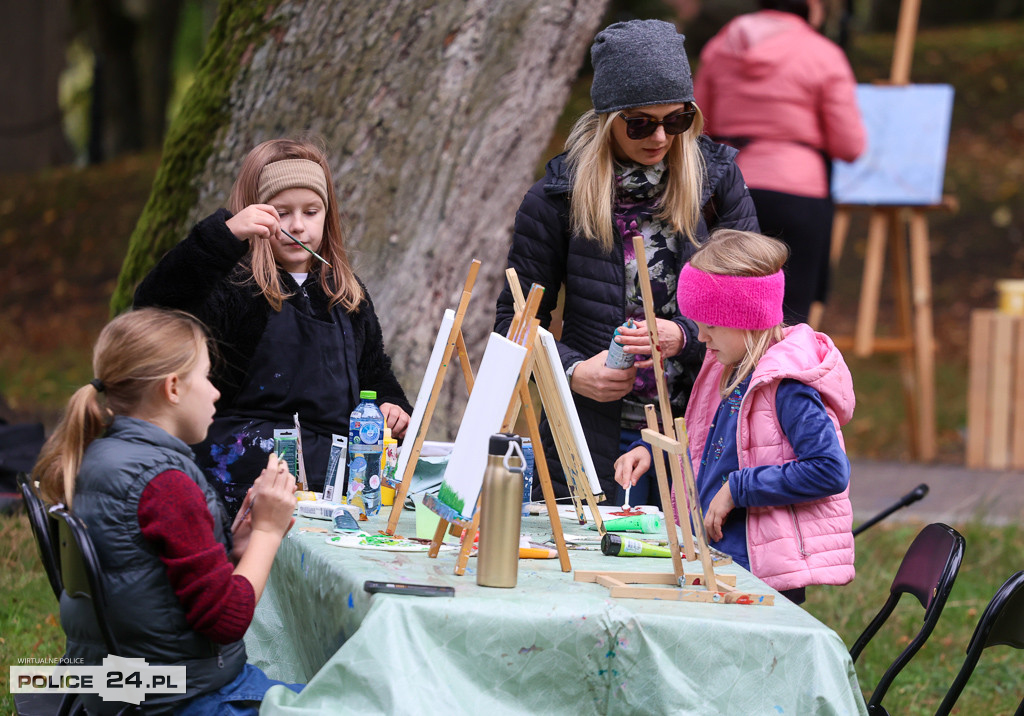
[902, 230]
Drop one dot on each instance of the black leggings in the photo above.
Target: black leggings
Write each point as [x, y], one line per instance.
[805, 224]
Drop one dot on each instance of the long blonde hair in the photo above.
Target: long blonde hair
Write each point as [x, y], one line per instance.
[134, 352]
[730, 252]
[591, 160]
[344, 289]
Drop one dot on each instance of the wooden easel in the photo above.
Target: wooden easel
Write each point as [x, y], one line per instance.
[887, 226]
[673, 441]
[558, 421]
[456, 342]
[523, 331]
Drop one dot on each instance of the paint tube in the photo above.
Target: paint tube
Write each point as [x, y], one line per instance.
[618, 546]
[636, 523]
[617, 357]
[301, 474]
[286, 445]
[389, 476]
[334, 480]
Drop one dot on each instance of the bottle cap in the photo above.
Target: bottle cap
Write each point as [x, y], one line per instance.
[499, 443]
[367, 394]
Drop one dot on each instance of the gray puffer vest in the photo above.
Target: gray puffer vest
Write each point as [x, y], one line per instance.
[143, 611]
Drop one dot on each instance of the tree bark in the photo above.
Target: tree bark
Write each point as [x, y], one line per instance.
[434, 119]
[32, 42]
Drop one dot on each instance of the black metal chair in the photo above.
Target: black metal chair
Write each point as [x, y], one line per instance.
[81, 571]
[82, 574]
[927, 572]
[42, 530]
[1002, 624]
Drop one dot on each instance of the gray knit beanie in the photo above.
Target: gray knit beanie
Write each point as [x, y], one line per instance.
[637, 64]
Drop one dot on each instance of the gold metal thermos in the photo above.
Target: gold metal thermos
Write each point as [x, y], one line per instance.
[501, 512]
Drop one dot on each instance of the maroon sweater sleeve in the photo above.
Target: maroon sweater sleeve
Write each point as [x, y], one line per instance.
[174, 518]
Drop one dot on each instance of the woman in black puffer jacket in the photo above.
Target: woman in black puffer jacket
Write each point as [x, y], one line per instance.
[635, 165]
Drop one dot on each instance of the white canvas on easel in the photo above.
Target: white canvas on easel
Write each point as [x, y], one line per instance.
[493, 388]
[905, 159]
[423, 397]
[550, 351]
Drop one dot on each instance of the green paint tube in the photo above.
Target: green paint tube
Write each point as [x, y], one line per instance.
[636, 523]
[618, 546]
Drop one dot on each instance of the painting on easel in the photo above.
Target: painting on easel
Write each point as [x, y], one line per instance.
[905, 160]
[492, 392]
[423, 397]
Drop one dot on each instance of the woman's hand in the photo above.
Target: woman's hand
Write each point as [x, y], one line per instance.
[631, 465]
[720, 507]
[636, 341]
[395, 418]
[256, 221]
[593, 379]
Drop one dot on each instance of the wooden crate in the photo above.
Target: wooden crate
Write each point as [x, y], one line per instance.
[995, 391]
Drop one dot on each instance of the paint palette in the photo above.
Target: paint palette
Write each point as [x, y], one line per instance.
[380, 542]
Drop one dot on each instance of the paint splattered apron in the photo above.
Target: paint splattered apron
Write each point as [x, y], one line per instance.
[301, 365]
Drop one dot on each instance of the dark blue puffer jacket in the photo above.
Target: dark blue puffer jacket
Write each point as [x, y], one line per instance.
[544, 251]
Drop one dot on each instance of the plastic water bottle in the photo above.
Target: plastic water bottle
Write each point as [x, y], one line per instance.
[356, 483]
[366, 441]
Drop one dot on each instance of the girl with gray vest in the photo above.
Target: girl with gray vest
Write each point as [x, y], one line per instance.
[635, 165]
[181, 581]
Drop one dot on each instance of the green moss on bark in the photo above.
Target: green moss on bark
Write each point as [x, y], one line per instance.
[241, 27]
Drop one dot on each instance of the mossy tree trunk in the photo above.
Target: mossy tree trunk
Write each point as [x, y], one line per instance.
[434, 115]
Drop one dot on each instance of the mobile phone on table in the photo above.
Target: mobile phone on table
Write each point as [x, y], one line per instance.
[420, 590]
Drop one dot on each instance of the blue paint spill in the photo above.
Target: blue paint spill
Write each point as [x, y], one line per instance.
[779, 710]
[351, 601]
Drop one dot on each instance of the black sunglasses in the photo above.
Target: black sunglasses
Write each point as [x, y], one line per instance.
[675, 123]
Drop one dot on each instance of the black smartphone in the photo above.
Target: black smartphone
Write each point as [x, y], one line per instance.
[420, 590]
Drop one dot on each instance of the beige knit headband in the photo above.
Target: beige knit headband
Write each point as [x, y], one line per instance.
[291, 174]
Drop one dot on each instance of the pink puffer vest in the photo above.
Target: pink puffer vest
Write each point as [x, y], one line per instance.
[805, 543]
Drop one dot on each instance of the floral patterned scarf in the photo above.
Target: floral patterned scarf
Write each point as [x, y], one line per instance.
[639, 189]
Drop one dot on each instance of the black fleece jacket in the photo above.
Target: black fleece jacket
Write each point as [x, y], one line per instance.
[545, 251]
[202, 275]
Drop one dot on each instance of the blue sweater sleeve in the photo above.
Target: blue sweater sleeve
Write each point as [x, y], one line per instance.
[821, 468]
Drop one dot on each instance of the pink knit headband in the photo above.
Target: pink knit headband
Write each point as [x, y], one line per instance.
[745, 302]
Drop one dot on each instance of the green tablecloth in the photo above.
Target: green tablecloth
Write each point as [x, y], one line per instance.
[551, 645]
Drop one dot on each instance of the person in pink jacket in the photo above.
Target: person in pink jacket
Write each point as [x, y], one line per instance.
[766, 411]
[772, 86]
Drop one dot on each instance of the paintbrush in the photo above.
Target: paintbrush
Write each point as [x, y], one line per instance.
[306, 248]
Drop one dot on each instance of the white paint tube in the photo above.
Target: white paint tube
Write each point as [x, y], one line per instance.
[335, 478]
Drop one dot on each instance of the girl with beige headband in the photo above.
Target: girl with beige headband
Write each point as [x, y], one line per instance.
[295, 335]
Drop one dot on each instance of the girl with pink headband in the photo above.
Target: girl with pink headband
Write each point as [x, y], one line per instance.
[766, 411]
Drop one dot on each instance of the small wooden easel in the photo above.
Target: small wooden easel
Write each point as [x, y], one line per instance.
[715, 588]
[456, 342]
[522, 331]
[887, 225]
[558, 421]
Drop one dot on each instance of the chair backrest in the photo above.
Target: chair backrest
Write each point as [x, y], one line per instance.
[1002, 624]
[42, 530]
[927, 572]
[81, 571]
